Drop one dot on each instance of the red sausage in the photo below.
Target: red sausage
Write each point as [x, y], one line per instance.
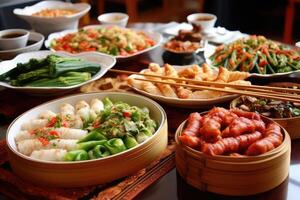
[193, 125]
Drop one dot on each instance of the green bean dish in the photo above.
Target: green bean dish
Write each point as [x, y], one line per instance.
[256, 54]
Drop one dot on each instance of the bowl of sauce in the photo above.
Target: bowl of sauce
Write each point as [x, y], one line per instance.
[118, 19]
[13, 38]
[205, 20]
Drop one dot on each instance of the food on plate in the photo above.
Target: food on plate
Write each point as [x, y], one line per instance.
[118, 84]
[232, 132]
[268, 107]
[204, 73]
[112, 40]
[51, 13]
[256, 54]
[52, 71]
[186, 41]
[85, 131]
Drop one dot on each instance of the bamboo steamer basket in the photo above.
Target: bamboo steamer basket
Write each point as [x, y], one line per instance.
[234, 176]
[291, 125]
[90, 172]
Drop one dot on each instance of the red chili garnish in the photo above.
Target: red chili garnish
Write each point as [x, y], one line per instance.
[43, 140]
[96, 124]
[126, 114]
[65, 124]
[52, 121]
[263, 63]
[54, 133]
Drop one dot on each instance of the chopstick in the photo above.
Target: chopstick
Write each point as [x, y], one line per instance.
[258, 88]
[227, 90]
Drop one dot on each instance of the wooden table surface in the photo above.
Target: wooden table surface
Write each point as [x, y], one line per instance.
[171, 186]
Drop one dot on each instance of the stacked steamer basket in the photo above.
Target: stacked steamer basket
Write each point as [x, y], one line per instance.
[236, 176]
[291, 125]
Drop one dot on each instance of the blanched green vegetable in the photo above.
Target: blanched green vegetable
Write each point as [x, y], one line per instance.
[98, 151]
[141, 137]
[51, 71]
[93, 135]
[76, 155]
[69, 79]
[130, 141]
[90, 144]
[115, 145]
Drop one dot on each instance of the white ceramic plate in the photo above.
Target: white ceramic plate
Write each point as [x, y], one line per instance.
[37, 40]
[210, 49]
[186, 103]
[46, 25]
[155, 36]
[105, 61]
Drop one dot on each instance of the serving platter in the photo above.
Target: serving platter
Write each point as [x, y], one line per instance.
[156, 37]
[46, 25]
[210, 49]
[88, 172]
[104, 60]
[185, 103]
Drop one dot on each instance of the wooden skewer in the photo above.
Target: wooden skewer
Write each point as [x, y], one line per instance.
[259, 88]
[233, 91]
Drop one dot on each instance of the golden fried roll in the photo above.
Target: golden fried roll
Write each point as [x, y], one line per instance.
[150, 88]
[223, 75]
[237, 75]
[135, 83]
[167, 90]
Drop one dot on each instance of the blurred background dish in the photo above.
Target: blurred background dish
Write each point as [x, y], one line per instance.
[111, 45]
[13, 38]
[118, 19]
[205, 20]
[34, 43]
[47, 16]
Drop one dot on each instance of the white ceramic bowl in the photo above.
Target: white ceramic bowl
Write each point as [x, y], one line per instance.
[298, 44]
[49, 25]
[205, 24]
[13, 38]
[156, 37]
[35, 42]
[90, 172]
[118, 19]
[104, 60]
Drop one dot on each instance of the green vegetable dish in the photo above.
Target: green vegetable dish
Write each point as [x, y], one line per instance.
[256, 54]
[86, 131]
[52, 71]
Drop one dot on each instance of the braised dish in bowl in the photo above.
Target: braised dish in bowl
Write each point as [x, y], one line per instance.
[287, 114]
[68, 141]
[186, 42]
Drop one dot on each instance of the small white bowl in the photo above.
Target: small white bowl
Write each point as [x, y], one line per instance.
[205, 24]
[46, 25]
[13, 38]
[118, 19]
[34, 43]
[297, 44]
